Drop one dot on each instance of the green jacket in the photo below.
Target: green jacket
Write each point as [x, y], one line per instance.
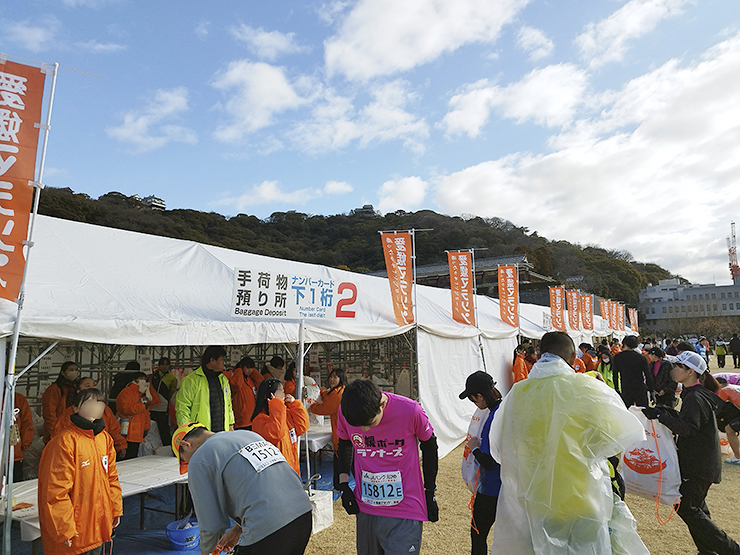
[193, 405]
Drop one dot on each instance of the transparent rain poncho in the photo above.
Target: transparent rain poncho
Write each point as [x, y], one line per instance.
[552, 436]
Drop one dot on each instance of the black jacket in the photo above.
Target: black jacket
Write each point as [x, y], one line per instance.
[735, 345]
[698, 441]
[631, 372]
[663, 381]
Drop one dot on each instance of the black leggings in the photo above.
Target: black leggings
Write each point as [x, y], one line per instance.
[132, 451]
[484, 515]
[291, 539]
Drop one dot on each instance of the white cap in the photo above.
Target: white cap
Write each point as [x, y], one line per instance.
[693, 361]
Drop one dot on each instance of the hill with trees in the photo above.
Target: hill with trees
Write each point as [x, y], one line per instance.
[351, 242]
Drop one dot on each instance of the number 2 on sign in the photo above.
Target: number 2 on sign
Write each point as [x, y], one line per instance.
[347, 301]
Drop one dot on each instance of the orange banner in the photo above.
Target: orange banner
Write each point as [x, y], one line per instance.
[604, 311]
[587, 311]
[557, 305]
[574, 311]
[461, 286]
[508, 294]
[21, 97]
[397, 249]
[613, 317]
[620, 317]
[633, 319]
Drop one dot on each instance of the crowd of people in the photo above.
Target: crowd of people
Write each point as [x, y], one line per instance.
[550, 483]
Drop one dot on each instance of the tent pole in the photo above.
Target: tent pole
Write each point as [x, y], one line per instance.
[416, 310]
[299, 388]
[11, 379]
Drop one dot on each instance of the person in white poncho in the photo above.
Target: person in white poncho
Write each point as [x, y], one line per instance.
[552, 436]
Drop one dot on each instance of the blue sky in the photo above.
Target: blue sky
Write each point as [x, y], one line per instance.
[601, 121]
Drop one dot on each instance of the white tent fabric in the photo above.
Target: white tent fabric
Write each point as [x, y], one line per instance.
[102, 285]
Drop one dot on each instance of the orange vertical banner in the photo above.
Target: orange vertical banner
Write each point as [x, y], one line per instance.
[604, 307]
[461, 286]
[557, 305]
[21, 98]
[620, 317]
[397, 249]
[587, 311]
[574, 310]
[613, 317]
[633, 319]
[508, 294]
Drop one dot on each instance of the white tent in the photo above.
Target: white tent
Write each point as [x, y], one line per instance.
[102, 285]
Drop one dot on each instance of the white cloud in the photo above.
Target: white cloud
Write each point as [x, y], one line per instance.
[335, 123]
[256, 93]
[100, 47]
[35, 37]
[382, 37]
[154, 126]
[407, 193]
[329, 11]
[268, 192]
[548, 96]
[655, 172]
[266, 44]
[337, 188]
[535, 42]
[608, 40]
[202, 29]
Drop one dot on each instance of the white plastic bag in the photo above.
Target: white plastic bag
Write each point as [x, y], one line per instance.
[623, 531]
[651, 465]
[322, 509]
[470, 466]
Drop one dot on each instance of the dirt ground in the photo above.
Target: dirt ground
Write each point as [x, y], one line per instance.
[451, 536]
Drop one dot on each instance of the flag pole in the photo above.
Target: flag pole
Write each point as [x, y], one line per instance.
[475, 309]
[11, 379]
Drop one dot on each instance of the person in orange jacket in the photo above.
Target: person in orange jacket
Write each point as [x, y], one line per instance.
[23, 419]
[280, 419]
[132, 403]
[616, 347]
[79, 497]
[58, 396]
[289, 380]
[520, 367]
[112, 426]
[328, 405]
[244, 381]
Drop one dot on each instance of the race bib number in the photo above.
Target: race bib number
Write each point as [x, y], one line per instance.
[293, 437]
[105, 462]
[383, 489]
[262, 454]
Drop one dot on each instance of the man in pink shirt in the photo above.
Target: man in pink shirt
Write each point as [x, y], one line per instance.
[390, 499]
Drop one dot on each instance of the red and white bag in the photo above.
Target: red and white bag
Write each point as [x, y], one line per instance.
[650, 467]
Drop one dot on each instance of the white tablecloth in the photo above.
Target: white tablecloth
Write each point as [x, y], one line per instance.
[319, 437]
[135, 476]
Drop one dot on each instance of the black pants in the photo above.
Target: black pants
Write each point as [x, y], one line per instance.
[291, 539]
[721, 361]
[695, 513]
[484, 515]
[637, 397]
[132, 451]
[736, 360]
[17, 470]
[163, 425]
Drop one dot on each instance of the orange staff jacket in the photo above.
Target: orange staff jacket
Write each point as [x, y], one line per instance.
[129, 405]
[282, 427]
[79, 493]
[25, 426]
[520, 369]
[329, 406]
[242, 394]
[55, 399]
[112, 426]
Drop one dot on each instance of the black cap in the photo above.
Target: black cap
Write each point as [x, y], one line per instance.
[656, 351]
[477, 383]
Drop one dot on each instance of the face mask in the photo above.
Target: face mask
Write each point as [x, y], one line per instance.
[605, 360]
[142, 386]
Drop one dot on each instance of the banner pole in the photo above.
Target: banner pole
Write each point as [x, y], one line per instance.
[416, 310]
[11, 380]
[475, 309]
[518, 307]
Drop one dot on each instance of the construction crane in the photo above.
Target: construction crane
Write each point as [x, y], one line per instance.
[732, 250]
